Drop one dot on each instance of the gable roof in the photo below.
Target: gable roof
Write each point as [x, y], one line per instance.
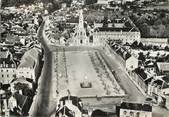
[163, 66]
[136, 106]
[29, 58]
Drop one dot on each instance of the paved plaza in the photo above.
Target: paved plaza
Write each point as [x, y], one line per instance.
[76, 67]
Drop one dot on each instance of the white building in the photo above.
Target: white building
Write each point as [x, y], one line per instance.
[113, 34]
[155, 41]
[132, 63]
[79, 37]
[29, 65]
[104, 2]
[118, 30]
[7, 67]
[128, 109]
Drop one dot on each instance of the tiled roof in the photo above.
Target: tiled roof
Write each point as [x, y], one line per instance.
[21, 80]
[27, 62]
[4, 54]
[116, 29]
[29, 58]
[136, 106]
[163, 66]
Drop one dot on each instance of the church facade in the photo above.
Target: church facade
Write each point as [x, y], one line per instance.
[80, 37]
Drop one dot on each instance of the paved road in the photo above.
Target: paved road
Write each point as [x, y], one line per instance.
[115, 63]
[44, 103]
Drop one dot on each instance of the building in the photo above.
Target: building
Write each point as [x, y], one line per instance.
[7, 67]
[162, 68]
[69, 106]
[128, 109]
[149, 67]
[29, 64]
[80, 38]
[104, 2]
[119, 30]
[155, 41]
[132, 63]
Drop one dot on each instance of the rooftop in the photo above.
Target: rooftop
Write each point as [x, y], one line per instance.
[111, 29]
[136, 106]
[4, 54]
[163, 66]
[29, 58]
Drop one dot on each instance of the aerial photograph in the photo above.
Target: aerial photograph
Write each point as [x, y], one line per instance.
[84, 58]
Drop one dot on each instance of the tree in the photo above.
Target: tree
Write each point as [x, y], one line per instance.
[141, 57]
[166, 48]
[148, 54]
[144, 29]
[167, 58]
[25, 89]
[105, 21]
[88, 2]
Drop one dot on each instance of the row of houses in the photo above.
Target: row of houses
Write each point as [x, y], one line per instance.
[19, 79]
[150, 76]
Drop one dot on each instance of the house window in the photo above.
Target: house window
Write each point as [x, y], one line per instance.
[91, 39]
[2, 70]
[7, 75]
[137, 114]
[2, 75]
[131, 114]
[125, 112]
[6, 70]
[81, 41]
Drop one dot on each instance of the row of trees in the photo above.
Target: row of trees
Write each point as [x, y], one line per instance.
[8, 3]
[152, 25]
[89, 2]
[136, 45]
